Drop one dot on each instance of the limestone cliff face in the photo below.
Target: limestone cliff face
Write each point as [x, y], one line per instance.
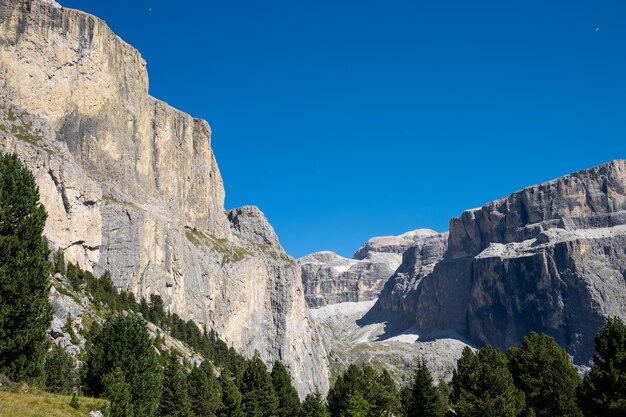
[132, 186]
[550, 258]
[329, 278]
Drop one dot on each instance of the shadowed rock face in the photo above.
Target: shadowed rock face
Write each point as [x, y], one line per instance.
[329, 278]
[550, 258]
[132, 186]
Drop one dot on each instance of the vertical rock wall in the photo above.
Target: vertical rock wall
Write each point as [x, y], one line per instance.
[132, 186]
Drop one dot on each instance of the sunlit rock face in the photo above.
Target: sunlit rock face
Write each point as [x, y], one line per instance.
[132, 186]
[550, 258]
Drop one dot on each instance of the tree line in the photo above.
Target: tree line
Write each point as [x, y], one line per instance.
[139, 377]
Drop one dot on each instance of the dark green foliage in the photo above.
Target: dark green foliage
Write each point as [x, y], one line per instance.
[444, 392]
[204, 390]
[357, 405]
[101, 289]
[208, 344]
[377, 390]
[288, 400]
[603, 391]
[337, 397]
[69, 328]
[175, 400]
[231, 397]
[542, 370]
[25, 313]
[156, 311]
[75, 401]
[482, 386]
[58, 262]
[384, 396]
[60, 375]
[423, 399]
[259, 398]
[144, 309]
[124, 343]
[313, 406]
[117, 391]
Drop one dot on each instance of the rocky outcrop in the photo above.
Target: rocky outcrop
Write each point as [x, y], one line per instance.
[329, 278]
[132, 186]
[550, 258]
[417, 262]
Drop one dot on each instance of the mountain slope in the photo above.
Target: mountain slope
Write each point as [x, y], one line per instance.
[132, 186]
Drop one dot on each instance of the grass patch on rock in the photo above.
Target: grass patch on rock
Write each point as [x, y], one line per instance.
[231, 252]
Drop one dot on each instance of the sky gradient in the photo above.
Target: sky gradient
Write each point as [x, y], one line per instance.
[344, 120]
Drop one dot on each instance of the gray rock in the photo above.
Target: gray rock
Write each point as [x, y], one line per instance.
[131, 185]
[252, 225]
[550, 258]
[329, 278]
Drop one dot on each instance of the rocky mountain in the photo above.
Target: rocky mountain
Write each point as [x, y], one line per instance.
[341, 293]
[329, 278]
[550, 258]
[131, 185]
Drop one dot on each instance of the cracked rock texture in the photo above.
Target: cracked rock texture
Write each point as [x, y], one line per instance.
[329, 278]
[550, 258]
[132, 186]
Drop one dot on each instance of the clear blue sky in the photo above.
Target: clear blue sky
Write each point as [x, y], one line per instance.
[344, 120]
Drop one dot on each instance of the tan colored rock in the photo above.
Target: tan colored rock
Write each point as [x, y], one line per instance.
[132, 186]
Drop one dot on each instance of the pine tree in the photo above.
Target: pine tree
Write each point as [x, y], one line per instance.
[288, 400]
[542, 370]
[603, 391]
[424, 399]
[123, 342]
[351, 380]
[231, 397]
[204, 391]
[357, 405]
[25, 312]
[259, 398]
[313, 406]
[376, 389]
[175, 400]
[383, 395]
[117, 391]
[60, 375]
[482, 386]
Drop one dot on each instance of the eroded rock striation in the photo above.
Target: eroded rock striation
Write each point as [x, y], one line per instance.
[132, 186]
[550, 258]
[329, 278]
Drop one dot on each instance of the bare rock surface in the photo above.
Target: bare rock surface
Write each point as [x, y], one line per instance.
[132, 186]
[550, 258]
[329, 278]
[383, 340]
